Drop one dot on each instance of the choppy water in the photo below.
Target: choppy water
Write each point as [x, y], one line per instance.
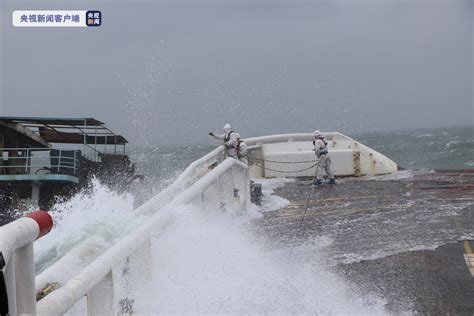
[444, 148]
[209, 264]
[427, 149]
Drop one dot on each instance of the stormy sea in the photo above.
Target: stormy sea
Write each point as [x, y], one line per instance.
[214, 263]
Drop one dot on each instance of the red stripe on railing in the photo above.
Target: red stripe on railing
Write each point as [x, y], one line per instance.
[44, 221]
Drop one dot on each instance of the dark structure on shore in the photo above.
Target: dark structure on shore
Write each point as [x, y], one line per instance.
[43, 159]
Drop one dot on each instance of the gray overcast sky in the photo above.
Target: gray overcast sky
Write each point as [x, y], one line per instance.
[170, 71]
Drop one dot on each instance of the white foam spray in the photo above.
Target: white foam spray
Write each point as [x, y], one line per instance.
[97, 211]
[210, 263]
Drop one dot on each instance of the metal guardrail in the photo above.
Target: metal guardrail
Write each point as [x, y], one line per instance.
[225, 186]
[92, 153]
[17, 268]
[195, 171]
[202, 168]
[207, 182]
[38, 160]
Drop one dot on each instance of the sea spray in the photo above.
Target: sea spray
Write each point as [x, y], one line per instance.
[210, 262]
[95, 211]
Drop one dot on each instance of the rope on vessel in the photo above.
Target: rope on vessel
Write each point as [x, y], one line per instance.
[291, 162]
[283, 171]
[304, 214]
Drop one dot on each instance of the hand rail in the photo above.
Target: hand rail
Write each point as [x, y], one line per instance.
[37, 166]
[291, 137]
[17, 270]
[197, 169]
[98, 274]
[94, 156]
[194, 171]
[366, 160]
[26, 157]
[29, 163]
[194, 186]
[96, 153]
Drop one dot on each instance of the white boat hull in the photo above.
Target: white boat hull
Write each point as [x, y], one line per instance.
[282, 156]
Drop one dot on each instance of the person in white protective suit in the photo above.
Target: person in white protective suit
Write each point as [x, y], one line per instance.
[241, 149]
[324, 160]
[230, 139]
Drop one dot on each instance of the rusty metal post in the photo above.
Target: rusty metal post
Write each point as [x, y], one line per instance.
[356, 163]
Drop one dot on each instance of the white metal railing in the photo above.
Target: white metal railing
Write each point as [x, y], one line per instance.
[225, 187]
[17, 269]
[196, 170]
[191, 174]
[91, 153]
[206, 183]
[287, 138]
[39, 160]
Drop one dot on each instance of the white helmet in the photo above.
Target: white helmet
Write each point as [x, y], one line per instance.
[227, 128]
[317, 133]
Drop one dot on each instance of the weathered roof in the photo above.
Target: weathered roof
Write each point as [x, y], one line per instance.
[22, 133]
[57, 130]
[53, 121]
[53, 136]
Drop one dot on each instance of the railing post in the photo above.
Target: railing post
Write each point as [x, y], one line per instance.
[100, 300]
[95, 139]
[16, 249]
[74, 165]
[10, 285]
[138, 272]
[25, 278]
[233, 175]
[220, 193]
[247, 187]
[26, 162]
[59, 161]
[202, 199]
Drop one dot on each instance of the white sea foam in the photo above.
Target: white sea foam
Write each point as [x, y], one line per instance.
[399, 175]
[270, 201]
[211, 264]
[423, 135]
[451, 143]
[97, 212]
